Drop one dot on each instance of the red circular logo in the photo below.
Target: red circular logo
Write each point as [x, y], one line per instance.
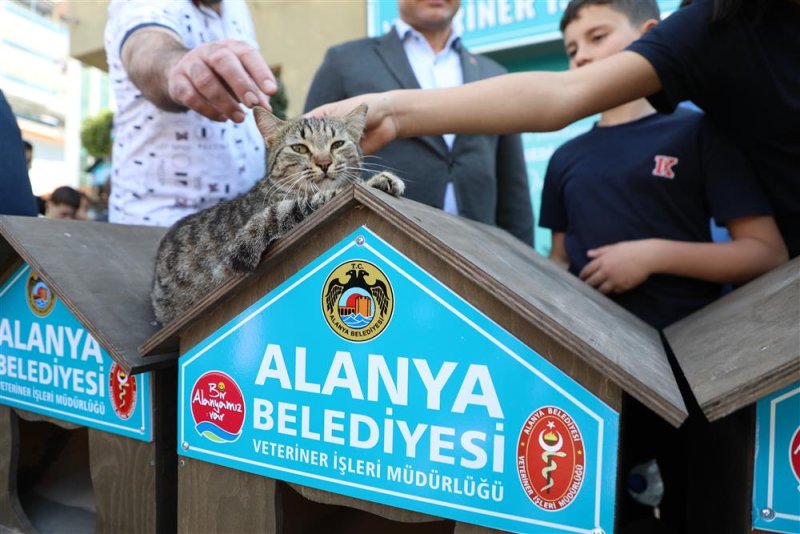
[794, 453]
[550, 458]
[217, 407]
[122, 388]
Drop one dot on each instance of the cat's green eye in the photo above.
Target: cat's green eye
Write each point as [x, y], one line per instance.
[337, 144]
[300, 148]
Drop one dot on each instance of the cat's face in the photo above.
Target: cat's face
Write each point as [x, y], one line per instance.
[308, 154]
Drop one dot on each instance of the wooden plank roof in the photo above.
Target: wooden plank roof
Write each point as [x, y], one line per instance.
[743, 346]
[102, 272]
[598, 331]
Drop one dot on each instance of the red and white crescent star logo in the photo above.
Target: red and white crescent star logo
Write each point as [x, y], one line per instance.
[551, 458]
[664, 166]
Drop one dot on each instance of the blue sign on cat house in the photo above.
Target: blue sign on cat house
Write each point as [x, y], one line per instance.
[776, 478]
[51, 365]
[363, 375]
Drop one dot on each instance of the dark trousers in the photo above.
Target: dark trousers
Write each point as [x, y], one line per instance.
[706, 468]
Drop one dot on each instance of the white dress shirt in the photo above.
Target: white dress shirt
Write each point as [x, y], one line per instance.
[434, 70]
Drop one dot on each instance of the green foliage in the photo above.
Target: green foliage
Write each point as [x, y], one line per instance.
[279, 101]
[96, 134]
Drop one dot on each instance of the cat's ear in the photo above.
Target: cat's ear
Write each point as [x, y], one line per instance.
[356, 120]
[268, 124]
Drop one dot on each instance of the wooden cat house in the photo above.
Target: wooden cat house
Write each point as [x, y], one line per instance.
[390, 358]
[73, 309]
[741, 356]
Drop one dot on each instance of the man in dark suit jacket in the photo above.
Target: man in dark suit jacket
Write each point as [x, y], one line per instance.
[482, 177]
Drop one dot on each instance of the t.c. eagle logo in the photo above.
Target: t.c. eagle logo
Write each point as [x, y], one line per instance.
[356, 278]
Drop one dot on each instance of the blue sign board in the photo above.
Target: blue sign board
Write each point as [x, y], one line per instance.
[488, 25]
[49, 364]
[365, 376]
[776, 477]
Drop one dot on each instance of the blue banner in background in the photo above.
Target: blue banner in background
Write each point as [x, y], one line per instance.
[51, 365]
[489, 25]
[776, 477]
[365, 376]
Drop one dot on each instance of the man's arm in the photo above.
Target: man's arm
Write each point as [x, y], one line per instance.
[524, 101]
[211, 79]
[756, 248]
[327, 83]
[558, 252]
[514, 209]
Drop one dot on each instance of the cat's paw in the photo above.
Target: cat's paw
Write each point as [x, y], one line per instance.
[244, 257]
[388, 183]
[321, 197]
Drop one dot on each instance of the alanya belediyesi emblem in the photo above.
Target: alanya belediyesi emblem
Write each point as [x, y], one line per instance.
[40, 298]
[357, 300]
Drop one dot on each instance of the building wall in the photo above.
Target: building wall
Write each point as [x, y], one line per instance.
[295, 35]
[34, 76]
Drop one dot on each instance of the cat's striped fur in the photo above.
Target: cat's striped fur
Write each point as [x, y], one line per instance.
[309, 161]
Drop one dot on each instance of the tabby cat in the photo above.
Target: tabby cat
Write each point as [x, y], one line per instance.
[309, 161]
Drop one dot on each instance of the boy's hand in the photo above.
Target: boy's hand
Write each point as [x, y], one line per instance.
[619, 267]
[381, 126]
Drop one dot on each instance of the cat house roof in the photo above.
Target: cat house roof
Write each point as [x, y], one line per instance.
[102, 273]
[573, 325]
[743, 346]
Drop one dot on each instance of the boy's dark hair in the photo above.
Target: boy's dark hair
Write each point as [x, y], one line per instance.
[637, 11]
[66, 195]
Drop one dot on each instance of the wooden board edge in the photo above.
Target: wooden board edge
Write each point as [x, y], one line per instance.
[750, 392]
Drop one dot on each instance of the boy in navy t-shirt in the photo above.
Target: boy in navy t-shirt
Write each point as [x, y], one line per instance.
[629, 203]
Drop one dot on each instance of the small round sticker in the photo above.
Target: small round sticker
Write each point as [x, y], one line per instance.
[217, 407]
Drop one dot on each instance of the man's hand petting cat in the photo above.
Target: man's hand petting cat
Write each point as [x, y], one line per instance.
[387, 182]
[215, 77]
[211, 79]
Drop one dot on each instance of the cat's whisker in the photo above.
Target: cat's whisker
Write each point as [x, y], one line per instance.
[375, 165]
[275, 186]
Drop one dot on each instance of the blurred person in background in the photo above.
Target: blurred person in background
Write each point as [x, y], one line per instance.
[41, 203]
[28, 153]
[67, 203]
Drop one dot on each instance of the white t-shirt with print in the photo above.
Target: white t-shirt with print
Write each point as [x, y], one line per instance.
[169, 165]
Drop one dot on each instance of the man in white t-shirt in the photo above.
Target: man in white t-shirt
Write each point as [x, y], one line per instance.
[183, 142]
